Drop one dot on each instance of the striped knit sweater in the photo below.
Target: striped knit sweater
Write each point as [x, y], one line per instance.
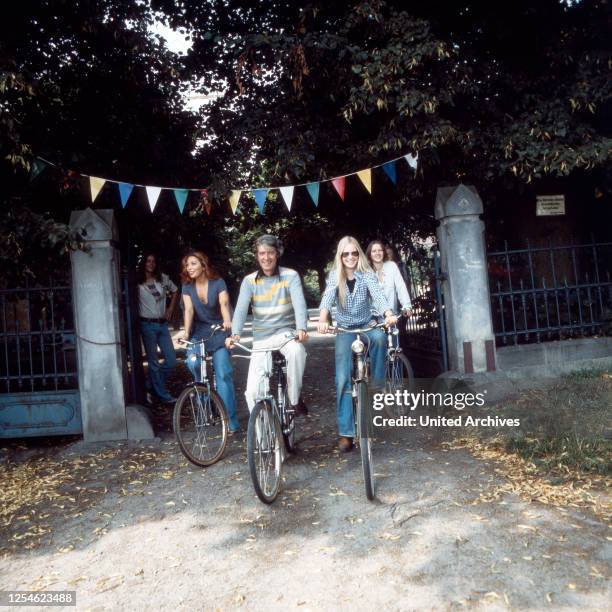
[278, 303]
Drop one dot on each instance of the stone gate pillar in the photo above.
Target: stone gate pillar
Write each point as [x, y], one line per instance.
[471, 342]
[101, 358]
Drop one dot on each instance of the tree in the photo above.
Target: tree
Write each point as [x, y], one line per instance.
[495, 95]
[87, 86]
[500, 96]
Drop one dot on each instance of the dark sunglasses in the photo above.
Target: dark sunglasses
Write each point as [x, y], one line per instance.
[349, 253]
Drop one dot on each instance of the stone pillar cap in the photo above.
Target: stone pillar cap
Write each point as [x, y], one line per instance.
[457, 201]
[99, 224]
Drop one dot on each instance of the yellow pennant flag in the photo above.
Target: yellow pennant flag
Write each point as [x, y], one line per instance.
[95, 184]
[234, 199]
[366, 178]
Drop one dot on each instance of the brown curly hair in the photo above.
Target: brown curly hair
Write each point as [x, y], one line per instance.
[209, 270]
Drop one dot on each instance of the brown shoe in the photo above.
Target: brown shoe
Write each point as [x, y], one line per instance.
[345, 444]
[300, 408]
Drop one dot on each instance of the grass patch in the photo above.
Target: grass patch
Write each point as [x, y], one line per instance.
[563, 427]
[560, 453]
[587, 373]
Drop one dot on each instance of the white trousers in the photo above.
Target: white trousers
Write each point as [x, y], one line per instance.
[261, 363]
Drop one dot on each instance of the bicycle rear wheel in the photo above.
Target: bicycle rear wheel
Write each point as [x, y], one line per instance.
[399, 377]
[264, 451]
[365, 441]
[200, 424]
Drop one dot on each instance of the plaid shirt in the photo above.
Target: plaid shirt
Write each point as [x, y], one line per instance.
[357, 311]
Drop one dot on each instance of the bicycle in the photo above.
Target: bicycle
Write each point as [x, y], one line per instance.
[271, 426]
[200, 419]
[399, 375]
[360, 376]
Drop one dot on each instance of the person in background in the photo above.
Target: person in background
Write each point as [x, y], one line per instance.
[393, 256]
[154, 287]
[206, 303]
[389, 277]
[353, 287]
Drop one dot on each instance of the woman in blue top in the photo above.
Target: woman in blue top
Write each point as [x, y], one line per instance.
[353, 287]
[206, 303]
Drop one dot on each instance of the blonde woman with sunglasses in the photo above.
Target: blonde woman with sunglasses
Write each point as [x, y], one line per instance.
[353, 287]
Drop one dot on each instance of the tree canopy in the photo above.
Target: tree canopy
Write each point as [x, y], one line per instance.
[498, 95]
[482, 91]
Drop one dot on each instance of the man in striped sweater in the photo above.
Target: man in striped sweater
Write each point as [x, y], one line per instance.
[277, 299]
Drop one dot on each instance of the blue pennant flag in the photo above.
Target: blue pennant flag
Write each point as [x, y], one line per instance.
[181, 198]
[125, 190]
[38, 165]
[260, 196]
[313, 190]
[390, 171]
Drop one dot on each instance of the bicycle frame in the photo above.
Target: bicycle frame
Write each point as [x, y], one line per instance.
[360, 351]
[392, 349]
[278, 367]
[204, 358]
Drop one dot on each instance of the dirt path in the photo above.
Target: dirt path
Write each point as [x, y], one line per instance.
[135, 527]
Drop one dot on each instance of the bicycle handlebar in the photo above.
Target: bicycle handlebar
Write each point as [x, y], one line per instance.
[342, 330]
[215, 329]
[263, 350]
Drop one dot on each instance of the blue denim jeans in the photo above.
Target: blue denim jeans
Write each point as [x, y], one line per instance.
[224, 374]
[154, 335]
[344, 361]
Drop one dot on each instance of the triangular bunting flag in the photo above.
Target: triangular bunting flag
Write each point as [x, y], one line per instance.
[153, 195]
[234, 199]
[287, 193]
[412, 160]
[339, 184]
[204, 201]
[180, 195]
[69, 180]
[390, 171]
[125, 191]
[366, 178]
[38, 165]
[260, 196]
[313, 190]
[95, 184]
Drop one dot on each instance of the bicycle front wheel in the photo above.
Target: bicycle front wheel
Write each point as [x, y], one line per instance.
[264, 451]
[365, 441]
[399, 377]
[200, 424]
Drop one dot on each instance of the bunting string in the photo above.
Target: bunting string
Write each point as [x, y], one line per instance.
[259, 194]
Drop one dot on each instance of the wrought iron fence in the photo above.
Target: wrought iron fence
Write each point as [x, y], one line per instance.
[425, 329]
[551, 292]
[37, 340]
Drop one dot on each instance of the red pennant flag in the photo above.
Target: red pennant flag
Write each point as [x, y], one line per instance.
[338, 184]
[204, 201]
[69, 180]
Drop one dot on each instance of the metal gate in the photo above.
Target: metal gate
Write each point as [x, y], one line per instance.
[424, 340]
[136, 387]
[38, 367]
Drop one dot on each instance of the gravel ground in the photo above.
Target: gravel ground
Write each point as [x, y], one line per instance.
[134, 526]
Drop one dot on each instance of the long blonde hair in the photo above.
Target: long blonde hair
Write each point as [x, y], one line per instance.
[362, 265]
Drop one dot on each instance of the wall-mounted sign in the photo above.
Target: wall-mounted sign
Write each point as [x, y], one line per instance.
[547, 205]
